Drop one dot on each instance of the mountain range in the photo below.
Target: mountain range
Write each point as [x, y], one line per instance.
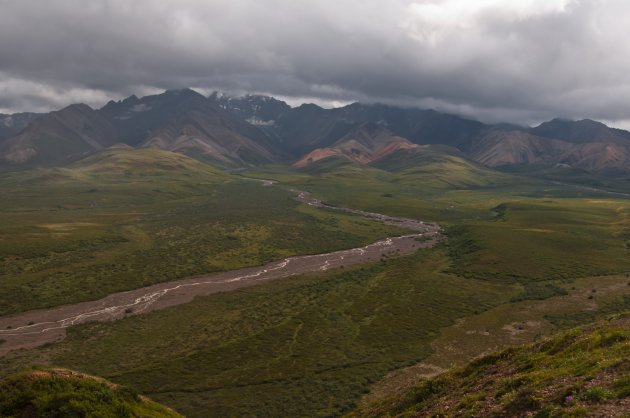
[251, 130]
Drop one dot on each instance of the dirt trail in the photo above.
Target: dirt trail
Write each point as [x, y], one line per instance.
[34, 328]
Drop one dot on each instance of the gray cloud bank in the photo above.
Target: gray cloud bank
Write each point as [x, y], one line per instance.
[517, 60]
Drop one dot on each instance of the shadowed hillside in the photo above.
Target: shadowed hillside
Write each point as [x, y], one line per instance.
[58, 136]
[256, 130]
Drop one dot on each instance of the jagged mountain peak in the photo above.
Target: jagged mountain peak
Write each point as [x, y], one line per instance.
[271, 130]
[259, 110]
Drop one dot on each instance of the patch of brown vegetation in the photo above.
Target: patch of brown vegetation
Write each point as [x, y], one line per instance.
[366, 144]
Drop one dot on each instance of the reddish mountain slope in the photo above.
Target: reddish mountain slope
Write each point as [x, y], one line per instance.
[369, 142]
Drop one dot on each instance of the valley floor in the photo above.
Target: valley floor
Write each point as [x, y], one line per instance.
[34, 328]
[523, 259]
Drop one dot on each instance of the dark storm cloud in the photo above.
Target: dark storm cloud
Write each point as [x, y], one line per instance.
[494, 59]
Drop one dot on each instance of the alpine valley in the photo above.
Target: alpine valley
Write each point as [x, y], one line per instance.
[236, 256]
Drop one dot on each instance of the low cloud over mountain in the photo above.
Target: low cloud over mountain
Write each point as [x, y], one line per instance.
[519, 61]
[252, 130]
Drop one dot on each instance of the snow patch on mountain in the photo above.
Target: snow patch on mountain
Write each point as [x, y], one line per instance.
[259, 122]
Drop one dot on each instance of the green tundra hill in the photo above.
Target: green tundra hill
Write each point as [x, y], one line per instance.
[63, 393]
[581, 372]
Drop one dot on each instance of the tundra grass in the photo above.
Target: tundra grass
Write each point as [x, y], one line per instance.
[527, 230]
[134, 218]
[311, 346]
[582, 372]
[65, 393]
[547, 239]
[584, 301]
[307, 346]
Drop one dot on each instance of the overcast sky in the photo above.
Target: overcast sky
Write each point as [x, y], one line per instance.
[496, 60]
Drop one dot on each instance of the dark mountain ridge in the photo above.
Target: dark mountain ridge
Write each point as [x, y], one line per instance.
[59, 135]
[582, 144]
[580, 131]
[176, 120]
[249, 130]
[11, 125]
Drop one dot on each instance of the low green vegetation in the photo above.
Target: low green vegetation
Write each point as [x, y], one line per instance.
[521, 260]
[307, 346]
[542, 239]
[584, 317]
[61, 393]
[538, 291]
[310, 345]
[616, 181]
[125, 219]
[517, 322]
[581, 372]
[500, 228]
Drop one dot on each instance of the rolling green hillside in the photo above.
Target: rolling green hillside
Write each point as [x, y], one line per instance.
[62, 393]
[439, 167]
[510, 227]
[123, 219]
[428, 168]
[581, 372]
[303, 346]
[614, 181]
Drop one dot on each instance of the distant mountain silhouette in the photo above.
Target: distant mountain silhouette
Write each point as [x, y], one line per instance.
[250, 130]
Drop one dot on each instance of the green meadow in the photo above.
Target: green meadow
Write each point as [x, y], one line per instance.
[521, 252]
[126, 219]
[312, 345]
[301, 346]
[45, 392]
[507, 228]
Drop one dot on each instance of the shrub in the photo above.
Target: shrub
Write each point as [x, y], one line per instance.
[622, 386]
[597, 394]
[539, 291]
[525, 400]
[613, 337]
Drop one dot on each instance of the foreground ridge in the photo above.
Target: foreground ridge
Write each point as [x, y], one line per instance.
[581, 372]
[63, 392]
